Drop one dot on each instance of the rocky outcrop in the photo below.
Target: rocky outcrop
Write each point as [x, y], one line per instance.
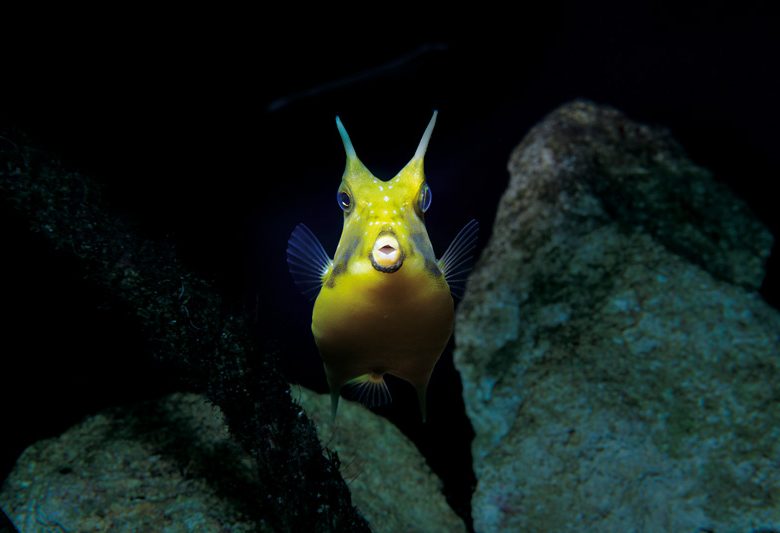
[172, 466]
[165, 466]
[190, 331]
[618, 367]
[391, 484]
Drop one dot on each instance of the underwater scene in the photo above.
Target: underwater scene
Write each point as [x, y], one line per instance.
[395, 283]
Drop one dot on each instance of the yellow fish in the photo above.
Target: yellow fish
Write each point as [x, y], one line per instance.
[385, 302]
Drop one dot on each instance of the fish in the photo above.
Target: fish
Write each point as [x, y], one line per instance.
[384, 302]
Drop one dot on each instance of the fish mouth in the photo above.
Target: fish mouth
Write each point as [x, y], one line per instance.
[386, 255]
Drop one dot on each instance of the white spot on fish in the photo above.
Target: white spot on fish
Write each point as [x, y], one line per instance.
[381, 188]
[387, 199]
[389, 186]
[359, 267]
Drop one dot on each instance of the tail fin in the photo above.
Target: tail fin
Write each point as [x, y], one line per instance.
[334, 404]
[421, 398]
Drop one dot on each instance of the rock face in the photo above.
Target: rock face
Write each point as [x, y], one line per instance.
[620, 371]
[390, 482]
[167, 466]
[171, 466]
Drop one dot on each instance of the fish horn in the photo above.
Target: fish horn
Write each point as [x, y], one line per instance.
[421, 149]
[345, 139]
[414, 168]
[354, 165]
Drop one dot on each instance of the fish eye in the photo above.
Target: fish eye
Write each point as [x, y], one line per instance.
[344, 200]
[425, 198]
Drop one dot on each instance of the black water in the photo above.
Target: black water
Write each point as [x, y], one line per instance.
[223, 146]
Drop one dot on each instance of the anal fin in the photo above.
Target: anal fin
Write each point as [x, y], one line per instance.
[370, 390]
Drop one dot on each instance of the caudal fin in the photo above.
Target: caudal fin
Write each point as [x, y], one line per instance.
[334, 404]
[421, 398]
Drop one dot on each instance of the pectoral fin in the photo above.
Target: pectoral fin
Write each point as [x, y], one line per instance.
[309, 263]
[456, 262]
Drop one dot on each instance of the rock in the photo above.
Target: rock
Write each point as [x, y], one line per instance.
[188, 330]
[619, 370]
[167, 466]
[391, 484]
[6, 526]
[171, 466]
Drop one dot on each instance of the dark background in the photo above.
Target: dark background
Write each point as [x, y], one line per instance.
[219, 135]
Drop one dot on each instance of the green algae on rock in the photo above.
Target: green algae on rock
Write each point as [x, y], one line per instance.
[618, 367]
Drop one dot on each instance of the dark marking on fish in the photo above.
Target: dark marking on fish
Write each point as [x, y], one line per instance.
[433, 268]
[340, 267]
[421, 244]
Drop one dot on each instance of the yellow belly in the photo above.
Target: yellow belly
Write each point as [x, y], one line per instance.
[374, 322]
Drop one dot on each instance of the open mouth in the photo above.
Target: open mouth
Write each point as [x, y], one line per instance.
[386, 255]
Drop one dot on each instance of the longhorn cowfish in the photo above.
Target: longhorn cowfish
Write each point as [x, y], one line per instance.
[384, 303]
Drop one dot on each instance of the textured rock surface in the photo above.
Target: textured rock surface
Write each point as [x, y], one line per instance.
[619, 370]
[185, 321]
[167, 466]
[171, 466]
[391, 484]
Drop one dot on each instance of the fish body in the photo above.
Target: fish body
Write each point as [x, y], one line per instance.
[385, 302]
[375, 323]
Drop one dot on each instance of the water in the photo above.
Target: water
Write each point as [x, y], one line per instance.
[206, 166]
